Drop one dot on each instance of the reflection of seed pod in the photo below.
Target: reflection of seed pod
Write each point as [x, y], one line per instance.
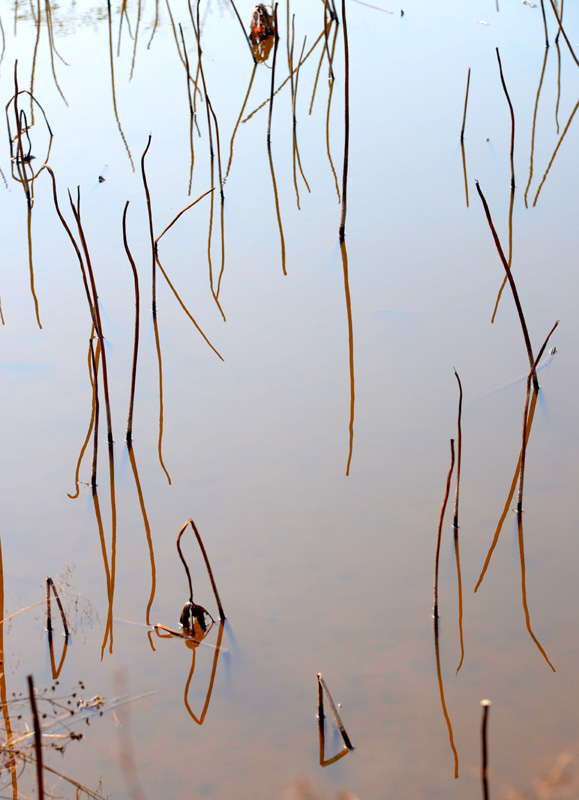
[262, 49]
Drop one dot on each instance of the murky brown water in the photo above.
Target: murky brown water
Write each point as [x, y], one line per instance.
[317, 571]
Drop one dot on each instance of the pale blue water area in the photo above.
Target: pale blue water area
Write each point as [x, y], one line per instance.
[317, 571]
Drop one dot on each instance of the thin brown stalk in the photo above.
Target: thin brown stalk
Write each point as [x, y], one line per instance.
[147, 525]
[50, 587]
[511, 283]
[161, 420]
[200, 62]
[93, 480]
[335, 713]
[122, 16]
[558, 84]
[317, 78]
[136, 41]
[325, 762]
[79, 786]
[277, 209]
[559, 143]
[559, 30]
[534, 126]
[185, 309]
[330, 65]
[525, 416]
[74, 244]
[129, 436]
[95, 306]
[35, 54]
[442, 698]
[509, 499]
[510, 259]
[342, 228]
[191, 111]
[465, 105]
[280, 87]
[31, 266]
[330, 92]
[37, 737]
[179, 215]
[272, 93]
[455, 522]
[344, 254]
[295, 135]
[52, 48]
[545, 23]
[245, 36]
[201, 719]
[486, 704]
[464, 172]
[111, 60]
[54, 668]
[254, 70]
[512, 112]
[113, 560]
[207, 564]
[524, 592]
[439, 535]
[151, 234]
[155, 25]
[175, 36]
[562, 30]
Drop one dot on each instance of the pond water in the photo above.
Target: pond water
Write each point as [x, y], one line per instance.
[308, 435]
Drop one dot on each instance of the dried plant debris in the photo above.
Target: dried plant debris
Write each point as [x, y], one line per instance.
[60, 715]
[262, 24]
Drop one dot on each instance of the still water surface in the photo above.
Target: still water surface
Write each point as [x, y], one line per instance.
[318, 571]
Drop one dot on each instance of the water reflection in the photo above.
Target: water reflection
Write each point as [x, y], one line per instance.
[23, 171]
[193, 639]
[52, 591]
[348, 747]
[435, 612]
[533, 130]
[114, 95]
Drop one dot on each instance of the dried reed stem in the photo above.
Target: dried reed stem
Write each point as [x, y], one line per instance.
[439, 536]
[95, 305]
[245, 36]
[50, 587]
[37, 738]
[342, 228]
[486, 704]
[512, 152]
[335, 714]
[525, 417]
[129, 436]
[442, 698]
[465, 104]
[534, 126]
[511, 283]
[545, 23]
[455, 522]
[271, 96]
[562, 30]
[151, 234]
[207, 564]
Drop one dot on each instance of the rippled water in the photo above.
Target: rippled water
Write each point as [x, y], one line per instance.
[323, 372]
